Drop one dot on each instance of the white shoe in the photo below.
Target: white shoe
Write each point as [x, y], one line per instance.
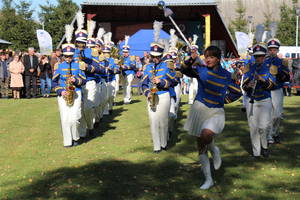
[216, 157]
[207, 184]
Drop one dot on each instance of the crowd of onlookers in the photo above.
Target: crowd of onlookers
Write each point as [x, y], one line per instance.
[28, 74]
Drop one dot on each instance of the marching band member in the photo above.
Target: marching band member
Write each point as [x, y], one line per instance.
[80, 42]
[67, 82]
[207, 118]
[257, 83]
[279, 69]
[112, 70]
[178, 75]
[193, 81]
[89, 91]
[167, 58]
[155, 84]
[100, 86]
[128, 70]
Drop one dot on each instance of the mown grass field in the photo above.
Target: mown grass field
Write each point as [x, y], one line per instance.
[119, 163]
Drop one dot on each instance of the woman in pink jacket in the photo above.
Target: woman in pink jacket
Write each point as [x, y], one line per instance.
[16, 69]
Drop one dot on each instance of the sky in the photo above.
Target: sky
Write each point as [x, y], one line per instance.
[36, 3]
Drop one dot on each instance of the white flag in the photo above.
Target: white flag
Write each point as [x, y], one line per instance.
[243, 41]
[45, 42]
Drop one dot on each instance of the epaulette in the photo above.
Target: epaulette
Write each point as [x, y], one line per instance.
[95, 52]
[101, 57]
[56, 66]
[171, 65]
[273, 70]
[246, 68]
[132, 58]
[178, 74]
[82, 65]
[285, 62]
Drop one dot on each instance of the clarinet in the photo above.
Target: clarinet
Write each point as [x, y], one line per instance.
[253, 89]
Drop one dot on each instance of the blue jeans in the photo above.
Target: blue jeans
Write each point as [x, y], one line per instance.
[43, 85]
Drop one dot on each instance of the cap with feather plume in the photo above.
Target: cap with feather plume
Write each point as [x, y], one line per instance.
[126, 47]
[91, 42]
[80, 34]
[100, 34]
[194, 42]
[68, 48]
[173, 41]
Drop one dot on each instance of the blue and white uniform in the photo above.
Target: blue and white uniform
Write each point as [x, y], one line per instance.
[160, 115]
[259, 112]
[69, 115]
[128, 72]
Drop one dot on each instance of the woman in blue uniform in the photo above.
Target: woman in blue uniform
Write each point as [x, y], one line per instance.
[207, 118]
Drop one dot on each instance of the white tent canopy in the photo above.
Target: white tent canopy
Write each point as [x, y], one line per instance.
[4, 42]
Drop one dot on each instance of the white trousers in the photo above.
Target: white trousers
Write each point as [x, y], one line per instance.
[159, 121]
[103, 97]
[69, 117]
[89, 99]
[98, 99]
[117, 86]
[110, 93]
[172, 116]
[127, 88]
[258, 122]
[193, 90]
[178, 96]
[277, 110]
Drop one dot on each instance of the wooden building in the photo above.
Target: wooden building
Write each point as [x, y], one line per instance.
[128, 16]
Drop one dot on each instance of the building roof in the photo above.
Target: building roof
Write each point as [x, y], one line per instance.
[149, 2]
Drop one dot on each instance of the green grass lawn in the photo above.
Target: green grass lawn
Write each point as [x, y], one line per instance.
[119, 163]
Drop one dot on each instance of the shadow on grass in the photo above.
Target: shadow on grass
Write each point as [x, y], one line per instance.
[117, 180]
[107, 123]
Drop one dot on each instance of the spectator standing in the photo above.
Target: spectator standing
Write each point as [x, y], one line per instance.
[4, 76]
[46, 76]
[30, 62]
[56, 58]
[16, 68]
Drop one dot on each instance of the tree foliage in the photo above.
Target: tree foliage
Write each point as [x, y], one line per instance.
[287, 24]
[17, 25]
[56, 16]
[240, 22]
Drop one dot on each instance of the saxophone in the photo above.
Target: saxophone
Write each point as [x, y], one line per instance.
[70, 88]
[153, 91]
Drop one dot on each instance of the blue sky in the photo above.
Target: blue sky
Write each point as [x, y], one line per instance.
[36, 3]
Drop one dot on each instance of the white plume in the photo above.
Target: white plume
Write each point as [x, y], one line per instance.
[157, 26]
[195, 38]
[126, 39]
[107, 38]
[173, 38]
[91, 27]
[166, 44]
[100, 33]
[69, 32]
[273, 29]
[80, 20]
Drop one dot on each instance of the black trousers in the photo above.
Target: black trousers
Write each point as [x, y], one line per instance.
[30, 82]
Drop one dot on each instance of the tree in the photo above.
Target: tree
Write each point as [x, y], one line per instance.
[17, 26]
[268, 17]
[56, 16]
[286, 26]
[240, 22]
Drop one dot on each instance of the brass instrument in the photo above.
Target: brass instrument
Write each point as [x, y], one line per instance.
[70, 88]
[153, 91]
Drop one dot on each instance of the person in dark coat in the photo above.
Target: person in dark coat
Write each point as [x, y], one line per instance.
[30, 62]
[46, 76]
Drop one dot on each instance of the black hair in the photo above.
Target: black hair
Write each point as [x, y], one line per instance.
[213, 51]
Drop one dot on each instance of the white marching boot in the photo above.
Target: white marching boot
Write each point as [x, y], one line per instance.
[205, 166]
[215, 151]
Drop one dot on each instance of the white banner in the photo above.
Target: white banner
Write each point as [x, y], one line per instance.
[45, 42]
[243, 41]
